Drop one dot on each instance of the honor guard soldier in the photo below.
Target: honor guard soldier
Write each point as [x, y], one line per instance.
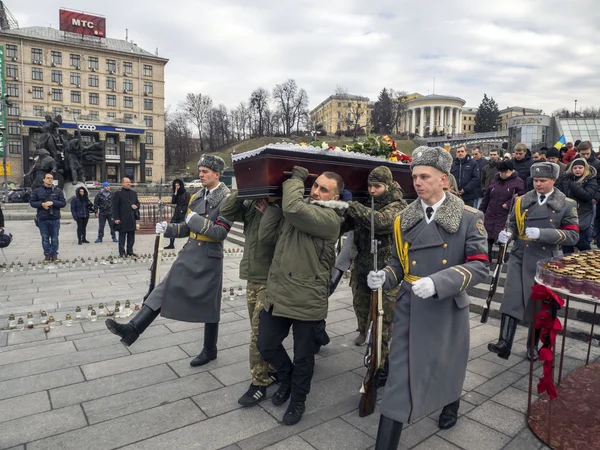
[440, 250]
[542, 221]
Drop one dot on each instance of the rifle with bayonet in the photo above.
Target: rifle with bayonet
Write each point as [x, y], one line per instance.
[373, 354]
[498, 268]
[158, 246]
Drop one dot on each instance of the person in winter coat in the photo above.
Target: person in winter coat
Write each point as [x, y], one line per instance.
[481, 164]
[553, 156]
[497, 200]
[490, 170]
[571, 152]
[466, 172]
[181, 199]
[580, 184]
[586, 151]
[125, 211]
[103, 211]
[1, 219]
[522, 161]
[80, 210]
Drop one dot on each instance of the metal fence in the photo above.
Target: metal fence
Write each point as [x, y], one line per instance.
[150, 216]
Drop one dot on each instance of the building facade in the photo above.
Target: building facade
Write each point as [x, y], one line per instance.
[110, 89]
[433, 114]
[513, 111]
[341, 112]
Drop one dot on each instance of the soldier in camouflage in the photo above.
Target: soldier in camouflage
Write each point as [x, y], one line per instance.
[388, 203]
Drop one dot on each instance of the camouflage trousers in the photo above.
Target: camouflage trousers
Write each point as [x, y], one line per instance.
[255, 296]
[361, 301]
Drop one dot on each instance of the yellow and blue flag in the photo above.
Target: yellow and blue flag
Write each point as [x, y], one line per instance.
[561, 142]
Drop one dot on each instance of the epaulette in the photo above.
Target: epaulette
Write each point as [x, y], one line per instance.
[471, 209]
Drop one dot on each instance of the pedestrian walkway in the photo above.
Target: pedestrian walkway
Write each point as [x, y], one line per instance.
[77, 387]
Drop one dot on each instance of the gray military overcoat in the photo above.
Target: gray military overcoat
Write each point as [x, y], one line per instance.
[191, 291]
[430, 341]
[558, 224]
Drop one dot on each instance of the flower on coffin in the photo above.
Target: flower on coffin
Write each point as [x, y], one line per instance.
[325, 145]
[303, 144]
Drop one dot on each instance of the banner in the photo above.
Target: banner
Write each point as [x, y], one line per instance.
[8, 171]
[81, 23]
[3, 105]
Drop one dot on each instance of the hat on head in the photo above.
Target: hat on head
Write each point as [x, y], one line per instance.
[435, 157]
[544, 170]
[552, 153]
[105, 184]
[569, 144]
[380, 174]
[214, 163]
[505, 165]
[578, 162]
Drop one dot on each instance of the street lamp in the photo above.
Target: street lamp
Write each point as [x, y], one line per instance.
[5, 102]
[575, 110]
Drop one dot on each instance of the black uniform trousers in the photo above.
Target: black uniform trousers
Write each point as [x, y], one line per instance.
[308, 335]
[130, 237]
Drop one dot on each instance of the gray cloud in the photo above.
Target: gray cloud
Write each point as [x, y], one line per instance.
[540, 54]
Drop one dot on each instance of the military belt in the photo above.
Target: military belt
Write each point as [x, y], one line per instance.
[201, 237]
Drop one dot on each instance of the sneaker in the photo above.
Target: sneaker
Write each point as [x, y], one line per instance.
[282, 394]
[273, 376]
[294, 412]
[360, 339]
[115, 239]
[97, 241]
[253, 395]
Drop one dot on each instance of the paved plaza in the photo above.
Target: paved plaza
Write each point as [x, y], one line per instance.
[77, 387]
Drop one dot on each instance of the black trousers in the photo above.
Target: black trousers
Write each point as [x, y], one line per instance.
[130, 237]
[308, 338]
[81, 226]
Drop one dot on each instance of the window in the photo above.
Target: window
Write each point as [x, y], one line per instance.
[147, 87]
[339, 114]
[111, 145]
[149, 154]
[12, 70]
[14, 128]
[57, 76]
[339, 104]
[76, 112]
[76, 96]
[111, 65]
[14, 147]
[128, 68]
[149, 171]
[111, 100]
[36, 55]
[38, 111]
[93, 63]
[148, 121]
[128, 116]
[76, 78]
[87, 139]
[12, 90]
[93, 81]
[56, 58]
[128, 102]
[37, 74]
[349, 116]
[11, 51]
[148, 104]
[127, 85]
[37, 92]
[56, 111]
[349, 105]
[111, 83]
[94, 115]
[129, 148]
[149, 139]
[111, 115]
[76, 61]
[94, 98]
[147, 70]
[57, 94]
[12, 110]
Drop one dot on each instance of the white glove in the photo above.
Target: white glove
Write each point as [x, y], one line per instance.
[504, 237]
[189, 217]
[532, 233]
[375, 280]
[424, 288]
[161, 227]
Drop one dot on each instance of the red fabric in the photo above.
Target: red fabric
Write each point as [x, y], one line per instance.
[479, 257]
[570, 155]
[224, 225]
[570, 227]
[549, 327]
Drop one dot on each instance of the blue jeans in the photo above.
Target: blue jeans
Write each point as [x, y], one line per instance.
[102, 219]
[49, 231]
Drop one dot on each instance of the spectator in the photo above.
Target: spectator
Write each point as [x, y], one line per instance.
[553, 156]
[48, 200]
[80, 210]
[522, 161]
[126, 212]
[181, 199]
[490, 170]
[570, 153]
[581, 185]
[497, 200]
[481, 163]
[466, 172]
[103, 210]
[539, 155]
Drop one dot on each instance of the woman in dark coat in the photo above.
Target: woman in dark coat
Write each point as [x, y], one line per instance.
[580, 184]
[80, 210]
[181, 200]
[497, 199]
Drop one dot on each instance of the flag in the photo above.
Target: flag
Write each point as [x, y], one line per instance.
[562, 141]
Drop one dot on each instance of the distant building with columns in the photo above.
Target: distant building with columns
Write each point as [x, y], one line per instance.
[425, 114]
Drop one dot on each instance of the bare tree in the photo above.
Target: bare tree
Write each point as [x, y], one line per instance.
[355, 113]
[179, 141]
[259, 102]
[301, 108]
[341, 90]
[197, 108]
[398, 107]
[288, 102]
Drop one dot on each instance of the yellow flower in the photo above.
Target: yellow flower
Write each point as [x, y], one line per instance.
[303, 144]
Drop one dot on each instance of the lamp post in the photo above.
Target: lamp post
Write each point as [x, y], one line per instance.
[575, 110]
[5, 102]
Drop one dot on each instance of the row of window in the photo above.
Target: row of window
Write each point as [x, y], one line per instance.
[14, 148]
[56, 58]
[37, 93]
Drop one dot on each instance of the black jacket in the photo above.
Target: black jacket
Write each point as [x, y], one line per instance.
[466, 173]
[43, 194]
[181, 201]
[122, 209]
[103, 203]
[523, 166]
[81, 205]
[582, 193]
[1, 218]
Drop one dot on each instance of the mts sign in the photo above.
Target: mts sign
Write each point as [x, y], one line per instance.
[81, 23]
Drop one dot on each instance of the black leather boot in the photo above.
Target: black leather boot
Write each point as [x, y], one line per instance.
[209, 350]
[449, 415]
[388, 434]
[508, 328]
[536, 353]
[129, 332]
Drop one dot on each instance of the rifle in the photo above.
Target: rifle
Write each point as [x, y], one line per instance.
[498, 269]
[157, 253]
[372, 359]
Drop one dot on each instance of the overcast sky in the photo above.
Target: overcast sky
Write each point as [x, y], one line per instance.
[532, 53]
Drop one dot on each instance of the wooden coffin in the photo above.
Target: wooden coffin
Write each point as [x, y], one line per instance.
[261, 172]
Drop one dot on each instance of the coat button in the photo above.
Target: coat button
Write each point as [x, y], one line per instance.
[543, 248]
[526, 245]
[550, 220]
[444, 261]
[445, 245]
[414, 263]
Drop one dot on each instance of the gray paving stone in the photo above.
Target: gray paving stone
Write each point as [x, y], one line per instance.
[485, 368]
[295, 442]
[483, 335]
[26, 336]
[512, 398]
[3, 339]
[225, 399]
[499, 417]
[522, 367]
[476, 352]
[337, 434]
[472, 380]
[43, 365]
[104, 337]
[224, 358]
[131, 362]
[107, 386]
[339, 315]
[340, 344]
[123, 431]
[471, 435]
[419, 431]
[35, 383]
[368, 425]
[25, 405]
[225, 342]
[135, 400]
[343, 326]
[232, 374]
[162, 341]
[26, 354]
[436, 443]
[496, 384]
[525, 440]
[215, 433]
[37, 426]
[334, 365]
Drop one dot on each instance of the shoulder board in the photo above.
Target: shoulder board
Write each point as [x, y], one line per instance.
[471, 209]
